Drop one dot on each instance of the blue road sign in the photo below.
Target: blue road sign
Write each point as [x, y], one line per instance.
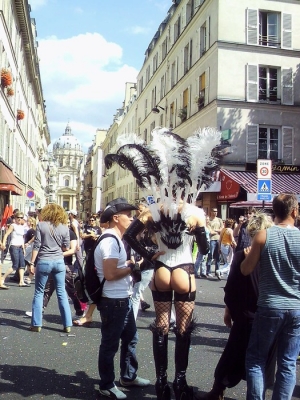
[264, 189]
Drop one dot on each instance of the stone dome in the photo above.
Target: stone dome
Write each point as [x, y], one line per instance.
[67, 141]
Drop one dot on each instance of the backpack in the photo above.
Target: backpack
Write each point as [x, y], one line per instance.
[87, 284]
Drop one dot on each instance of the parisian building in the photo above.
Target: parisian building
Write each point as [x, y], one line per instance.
[24, 133]
[68, 157]
[232, 65]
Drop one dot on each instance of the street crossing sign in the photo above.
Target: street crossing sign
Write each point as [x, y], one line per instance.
[264, 189]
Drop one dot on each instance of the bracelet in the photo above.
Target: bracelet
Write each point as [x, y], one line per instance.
[134, 267]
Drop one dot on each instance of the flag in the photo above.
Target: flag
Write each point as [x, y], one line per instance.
[5, 215]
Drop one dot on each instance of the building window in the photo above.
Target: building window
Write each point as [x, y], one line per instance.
[153, 97]
[148, 74]
[162, 87]
[269, 29]
[172, 110]
[164, 49]
[201, 97]
[268, 84]
[155, 62]
[67, 182]
[268, 143]
[173, 74]
[186, 59]
[204, 37]
[177, 29]
[190, 7]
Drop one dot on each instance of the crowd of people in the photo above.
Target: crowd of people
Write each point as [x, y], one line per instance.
[262, 288]
[167, 242]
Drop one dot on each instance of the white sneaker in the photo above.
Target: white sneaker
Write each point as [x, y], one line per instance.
[141, 382]
[28, 313]
[218, 273]
[113, 393]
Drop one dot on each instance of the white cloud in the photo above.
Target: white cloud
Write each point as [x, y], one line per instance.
[83, 80]
[37, 3]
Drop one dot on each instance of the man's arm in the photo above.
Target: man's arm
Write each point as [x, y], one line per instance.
[111, 272]
[252, 254]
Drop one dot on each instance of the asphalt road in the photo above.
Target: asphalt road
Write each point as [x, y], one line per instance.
[53, 365]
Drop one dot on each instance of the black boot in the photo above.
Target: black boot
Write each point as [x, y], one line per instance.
[181, 389]
[160, 353]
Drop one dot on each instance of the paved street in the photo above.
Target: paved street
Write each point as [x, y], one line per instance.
[53, 365]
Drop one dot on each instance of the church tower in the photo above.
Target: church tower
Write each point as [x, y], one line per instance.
[69, 156]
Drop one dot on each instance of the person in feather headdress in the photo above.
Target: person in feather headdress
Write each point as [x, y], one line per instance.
[170, 171]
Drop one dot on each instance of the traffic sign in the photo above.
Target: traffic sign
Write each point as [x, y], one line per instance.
[264, 196]
[264, 186]
[30, 194]
[264, 169]
[264, 189]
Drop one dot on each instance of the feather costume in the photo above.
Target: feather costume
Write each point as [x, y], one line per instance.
[170, 170]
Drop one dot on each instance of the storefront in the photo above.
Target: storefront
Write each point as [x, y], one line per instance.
[233, 191]
[8, 185]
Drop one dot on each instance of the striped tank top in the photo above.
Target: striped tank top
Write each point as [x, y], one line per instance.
[279, 281]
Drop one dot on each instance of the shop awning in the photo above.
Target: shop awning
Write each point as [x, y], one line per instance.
[8, 182]
[255, 204]
[280, 182]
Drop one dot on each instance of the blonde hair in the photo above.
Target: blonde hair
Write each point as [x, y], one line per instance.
[54, 214]
[258, 222]
[32, 221]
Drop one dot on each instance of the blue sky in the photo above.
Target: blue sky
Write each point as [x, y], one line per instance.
[88, 49]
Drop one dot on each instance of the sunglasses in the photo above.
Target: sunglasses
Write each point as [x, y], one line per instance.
[92, 220]
[19, 217]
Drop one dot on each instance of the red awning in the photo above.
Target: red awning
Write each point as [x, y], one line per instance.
[8, 181]
[280, 182]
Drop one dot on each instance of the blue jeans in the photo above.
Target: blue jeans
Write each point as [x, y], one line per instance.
[213, 254]
[58, 270]
[272, 325]
[199, 264]
[117, 323]
[17, 257]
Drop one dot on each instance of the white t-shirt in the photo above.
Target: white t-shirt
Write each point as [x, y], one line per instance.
[108, 248]
[17, 235]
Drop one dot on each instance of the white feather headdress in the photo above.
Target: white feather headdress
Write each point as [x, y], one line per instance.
[169, 170]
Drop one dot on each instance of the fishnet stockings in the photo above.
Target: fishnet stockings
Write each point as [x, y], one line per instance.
[163, 314]
[184, 314]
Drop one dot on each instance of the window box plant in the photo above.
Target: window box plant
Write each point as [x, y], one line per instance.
[10, 92]
[6, 78]
[20, 114]
[182, 113]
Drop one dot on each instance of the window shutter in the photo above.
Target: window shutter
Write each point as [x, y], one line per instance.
[252, 26]
[252, 83]
[287, 96]
[286, 31]
[252, 134]
[287, 144]
[207, 44]
[206, 100]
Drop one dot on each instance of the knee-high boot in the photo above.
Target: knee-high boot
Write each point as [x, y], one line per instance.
[181, 389]
[160, 352]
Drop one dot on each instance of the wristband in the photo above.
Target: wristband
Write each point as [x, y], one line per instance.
[134, 267]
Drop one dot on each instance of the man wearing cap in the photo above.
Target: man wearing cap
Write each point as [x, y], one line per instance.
[74, 224]
[115, 307]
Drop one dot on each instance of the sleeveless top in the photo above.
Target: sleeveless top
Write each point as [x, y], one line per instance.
[279, 284]
[17, 235]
